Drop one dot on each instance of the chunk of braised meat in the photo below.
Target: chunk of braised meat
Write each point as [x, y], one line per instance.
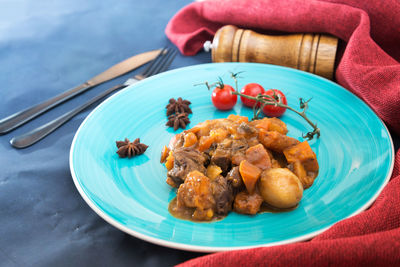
[233, 177]
[238, 149]
[276, 141]
[222, 158]
[223, 195]
[196, 192]
[246, 130]
[246, 203]
[186, 159]
[258, 156]
[176, 141]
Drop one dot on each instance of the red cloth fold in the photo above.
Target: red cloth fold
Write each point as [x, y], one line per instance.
[369, 67]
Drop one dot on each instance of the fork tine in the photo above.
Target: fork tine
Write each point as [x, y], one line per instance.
[153, 62]
[157, 67]
[168, 63]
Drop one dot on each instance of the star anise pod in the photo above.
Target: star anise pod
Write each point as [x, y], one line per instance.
[178, 120]
[178, 106]
[130, 149]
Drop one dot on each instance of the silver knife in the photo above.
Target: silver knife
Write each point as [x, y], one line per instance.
[17, 119]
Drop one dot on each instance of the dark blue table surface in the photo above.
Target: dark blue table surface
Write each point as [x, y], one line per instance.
[47, 47]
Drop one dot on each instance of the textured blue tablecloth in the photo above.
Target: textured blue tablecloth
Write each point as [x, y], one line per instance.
[47, 47]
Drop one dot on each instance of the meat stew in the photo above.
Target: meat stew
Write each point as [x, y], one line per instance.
[234, 164]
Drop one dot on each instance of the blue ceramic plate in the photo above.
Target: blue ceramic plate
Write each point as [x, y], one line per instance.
[355, 154]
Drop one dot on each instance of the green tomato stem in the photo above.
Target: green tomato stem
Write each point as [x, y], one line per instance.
[271, 101]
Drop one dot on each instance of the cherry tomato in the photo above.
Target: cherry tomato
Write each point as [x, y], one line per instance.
[271, 110]
[251, 89]
[222, 98]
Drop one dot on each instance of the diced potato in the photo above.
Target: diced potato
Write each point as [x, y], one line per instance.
[213, 171]
[250, 175]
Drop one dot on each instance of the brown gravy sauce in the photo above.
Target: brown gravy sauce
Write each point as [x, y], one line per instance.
[186, 213]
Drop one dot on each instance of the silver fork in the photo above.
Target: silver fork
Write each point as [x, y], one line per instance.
[158, 65]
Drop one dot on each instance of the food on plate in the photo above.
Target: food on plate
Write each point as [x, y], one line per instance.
[130, 149]
[272, 102]
[280, 188]
[178, 111]
[238, 165]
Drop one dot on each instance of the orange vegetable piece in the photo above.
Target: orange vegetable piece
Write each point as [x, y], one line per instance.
[164, 154]
[262, 124]
[195, 129]
[300, 152]
[238, 118]
[169, 164]
[213, 171]
[205, 142]
[219, 134]
[250, 175]
[190, 139]
[258, 156]
[277, 125]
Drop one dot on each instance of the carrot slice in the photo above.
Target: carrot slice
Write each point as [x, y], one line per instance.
[250, 175]
[170, 161]
[190, 139]
[262, 124]
[205, 142]
[300, 152]
[164, 154]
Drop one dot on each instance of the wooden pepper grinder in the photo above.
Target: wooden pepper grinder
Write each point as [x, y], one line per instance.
[310, 52]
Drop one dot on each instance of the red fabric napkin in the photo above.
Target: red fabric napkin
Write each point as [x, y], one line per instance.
[369, 67]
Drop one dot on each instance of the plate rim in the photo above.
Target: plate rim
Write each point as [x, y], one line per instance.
[207, 249]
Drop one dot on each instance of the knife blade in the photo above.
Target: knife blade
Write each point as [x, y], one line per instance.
[17, 119]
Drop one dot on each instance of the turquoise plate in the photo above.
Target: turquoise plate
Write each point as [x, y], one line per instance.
[355, 153]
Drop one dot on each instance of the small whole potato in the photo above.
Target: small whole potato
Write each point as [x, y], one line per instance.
[280, 188]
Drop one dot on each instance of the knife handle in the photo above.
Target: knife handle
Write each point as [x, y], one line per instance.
[17, 119]
[39, 133]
